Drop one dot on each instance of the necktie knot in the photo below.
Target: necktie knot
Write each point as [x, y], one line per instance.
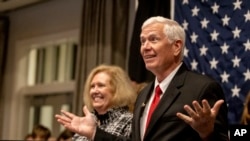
[158, 91]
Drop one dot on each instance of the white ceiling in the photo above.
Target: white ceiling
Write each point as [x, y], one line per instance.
[7, 5]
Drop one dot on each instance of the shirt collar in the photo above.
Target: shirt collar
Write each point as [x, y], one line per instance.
[164, 84]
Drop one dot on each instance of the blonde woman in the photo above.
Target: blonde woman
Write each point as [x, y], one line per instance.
[108, 93]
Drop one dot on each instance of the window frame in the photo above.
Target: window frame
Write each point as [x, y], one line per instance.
[24, 91]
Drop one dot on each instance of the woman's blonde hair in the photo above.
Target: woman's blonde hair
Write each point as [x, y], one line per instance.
[123, 92]
[245, 118]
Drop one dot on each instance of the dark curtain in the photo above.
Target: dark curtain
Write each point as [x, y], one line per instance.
[4, 26]
[146, 9]
[103, 39]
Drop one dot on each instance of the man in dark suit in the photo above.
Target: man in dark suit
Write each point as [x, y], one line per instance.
[181, 110]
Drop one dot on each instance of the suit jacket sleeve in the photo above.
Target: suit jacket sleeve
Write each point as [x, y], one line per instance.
[105, 136]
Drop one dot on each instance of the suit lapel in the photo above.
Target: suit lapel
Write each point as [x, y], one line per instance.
[141, 102]
[166, 101]
[168, 98]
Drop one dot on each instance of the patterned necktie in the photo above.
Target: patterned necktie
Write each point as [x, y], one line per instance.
[154, 103]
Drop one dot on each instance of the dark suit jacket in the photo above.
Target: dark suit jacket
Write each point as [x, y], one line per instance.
[185, 87]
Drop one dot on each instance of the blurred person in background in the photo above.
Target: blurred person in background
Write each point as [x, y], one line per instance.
[28, 137]
[40, 133]
[66, 135]
[245, 118]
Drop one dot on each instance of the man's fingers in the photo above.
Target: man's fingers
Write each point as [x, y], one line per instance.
[63, 119]
[206, 107]
[197, 108]
[217, 106]
[185, 118]
[190, 112]
[67, 114]
[86, 111]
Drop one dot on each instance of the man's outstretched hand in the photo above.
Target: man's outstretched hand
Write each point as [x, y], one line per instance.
[201, 118]
[85, 126]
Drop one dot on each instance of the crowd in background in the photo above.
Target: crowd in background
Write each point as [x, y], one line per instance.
[42, 133]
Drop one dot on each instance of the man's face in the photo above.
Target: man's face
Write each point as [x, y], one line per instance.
[157, 52]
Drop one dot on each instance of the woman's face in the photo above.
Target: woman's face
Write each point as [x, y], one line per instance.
[101, 92]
